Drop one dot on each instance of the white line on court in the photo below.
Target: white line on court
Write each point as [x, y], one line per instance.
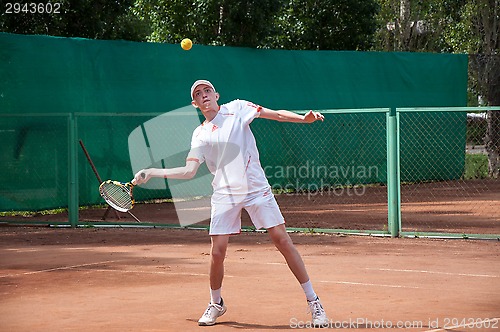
[367, 284]
[435, 272]
[21, 249]
[57, 269]
[156, 272]
[78, 268]
[474, 324]
[152, 272]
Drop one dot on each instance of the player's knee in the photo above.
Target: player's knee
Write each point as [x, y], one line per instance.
[283, 242]
[218, 255]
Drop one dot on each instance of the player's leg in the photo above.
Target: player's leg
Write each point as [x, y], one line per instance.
[225, 220]
[265, 213]
[217, 256]
[216, 307]
[285, 245]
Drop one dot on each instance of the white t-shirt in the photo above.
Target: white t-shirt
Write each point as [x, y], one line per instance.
[228, 147]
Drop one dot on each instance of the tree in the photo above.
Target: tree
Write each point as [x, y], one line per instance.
[486, 24]
[409, 25]
[211, 22]
[284, 24]
[169, 21]
[246, 23]
[478, 33]
[326, 25]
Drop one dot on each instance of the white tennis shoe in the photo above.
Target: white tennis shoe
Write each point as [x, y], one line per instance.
[319, 318]
[212, 313]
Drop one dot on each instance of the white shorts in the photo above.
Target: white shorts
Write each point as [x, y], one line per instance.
[261, 207]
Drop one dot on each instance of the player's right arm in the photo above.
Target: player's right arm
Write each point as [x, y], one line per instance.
[185, 172]
[194, 159]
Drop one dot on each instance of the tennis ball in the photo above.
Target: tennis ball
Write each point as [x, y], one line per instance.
[186, 44]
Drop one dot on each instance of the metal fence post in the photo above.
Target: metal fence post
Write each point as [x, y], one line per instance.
[72, 171]
[393, 178]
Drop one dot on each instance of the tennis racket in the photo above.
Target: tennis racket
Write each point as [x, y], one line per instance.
[119, 195]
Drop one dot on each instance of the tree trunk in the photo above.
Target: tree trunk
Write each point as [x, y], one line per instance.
[487, 68]
[486, 71]
[405, 29]
[492, 141]
[491, 26]
[492, 138]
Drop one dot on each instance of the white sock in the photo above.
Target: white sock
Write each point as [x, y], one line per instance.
[215, 296]
[309, 291]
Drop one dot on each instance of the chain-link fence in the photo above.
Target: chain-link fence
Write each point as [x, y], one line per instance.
[447, 187]
[332, 176]
[329, 175]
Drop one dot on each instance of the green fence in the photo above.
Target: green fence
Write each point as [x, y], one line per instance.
[370, 171]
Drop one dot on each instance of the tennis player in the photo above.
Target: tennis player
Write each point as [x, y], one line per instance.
[225, 142]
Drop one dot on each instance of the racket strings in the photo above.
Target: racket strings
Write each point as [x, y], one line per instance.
[117, 195]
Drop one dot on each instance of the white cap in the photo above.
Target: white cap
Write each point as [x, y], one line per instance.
[199, 82]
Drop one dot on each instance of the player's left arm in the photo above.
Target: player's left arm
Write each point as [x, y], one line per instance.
[287, 116]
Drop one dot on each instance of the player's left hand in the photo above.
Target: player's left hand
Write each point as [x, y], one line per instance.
[142, 176]
[312, 116]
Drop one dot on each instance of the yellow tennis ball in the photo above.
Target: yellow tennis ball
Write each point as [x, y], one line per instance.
[186, 44]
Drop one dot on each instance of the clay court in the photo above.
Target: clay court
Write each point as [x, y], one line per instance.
[134, 278]
[145, 279]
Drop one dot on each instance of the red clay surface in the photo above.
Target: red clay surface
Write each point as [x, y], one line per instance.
[145, 279]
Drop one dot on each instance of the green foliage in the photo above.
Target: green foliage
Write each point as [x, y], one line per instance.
[246, 23]
[462, 26]
[421, 27]
[293, 24]
[460, 33]
[168, 20]
[476, 166]
[28, 214]
[210, 22]
[326, 25]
